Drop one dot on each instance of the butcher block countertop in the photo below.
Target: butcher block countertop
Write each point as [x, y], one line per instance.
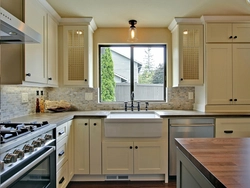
[225, 162]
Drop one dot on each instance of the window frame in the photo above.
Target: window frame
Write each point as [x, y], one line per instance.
[132, 67]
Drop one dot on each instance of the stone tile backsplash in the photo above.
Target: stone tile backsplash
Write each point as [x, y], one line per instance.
[12, 106]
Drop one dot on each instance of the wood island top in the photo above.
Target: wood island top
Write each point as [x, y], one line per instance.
[225, 162]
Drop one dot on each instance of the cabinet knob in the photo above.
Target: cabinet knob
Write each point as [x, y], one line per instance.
[231, 37]
[181, 79]
[235, 37]
[235, 99]
[136, 147]
[94, 124]
[230, 99]
[130, 147]
[85, 124]
[28, 74]
[85, 80]
[50, 78]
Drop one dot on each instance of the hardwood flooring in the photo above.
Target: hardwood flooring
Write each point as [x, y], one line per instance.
[123, 184]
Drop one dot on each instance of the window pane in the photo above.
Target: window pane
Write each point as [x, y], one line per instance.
[142, 71]
[149, 73]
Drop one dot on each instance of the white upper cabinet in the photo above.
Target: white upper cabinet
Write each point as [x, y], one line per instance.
[78, 56]
[41, 59]
[187, 53]
[227, 32]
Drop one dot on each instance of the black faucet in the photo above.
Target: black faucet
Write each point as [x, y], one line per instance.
[132, 103]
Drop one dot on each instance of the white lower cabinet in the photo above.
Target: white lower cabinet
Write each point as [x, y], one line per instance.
[63, 154]
[87, 146]
[134, 157]
[232, 127]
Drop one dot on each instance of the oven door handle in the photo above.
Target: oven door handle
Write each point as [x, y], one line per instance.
[27, 168]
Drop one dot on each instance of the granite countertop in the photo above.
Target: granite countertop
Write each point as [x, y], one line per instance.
[61, 117]
[225, 162]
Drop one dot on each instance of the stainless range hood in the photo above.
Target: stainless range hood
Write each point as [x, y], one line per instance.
[14, 31]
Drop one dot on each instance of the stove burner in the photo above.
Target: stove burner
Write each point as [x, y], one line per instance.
[10, 131]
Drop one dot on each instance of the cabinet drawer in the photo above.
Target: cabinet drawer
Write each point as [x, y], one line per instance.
[61, 131]
[61, 152]
[232, 128]
[62, 176]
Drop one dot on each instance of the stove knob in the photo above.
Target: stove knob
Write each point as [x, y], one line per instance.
[42, 140]
[36, 143]
[10, 158]
[1, 165]
[28, 148]
[19, 152]
[48, 137]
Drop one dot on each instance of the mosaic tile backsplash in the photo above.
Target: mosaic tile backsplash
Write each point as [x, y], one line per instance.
[12, 106]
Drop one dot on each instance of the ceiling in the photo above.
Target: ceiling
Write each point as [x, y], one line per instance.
[148, 13]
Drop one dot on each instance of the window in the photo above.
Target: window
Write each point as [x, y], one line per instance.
[140, 69]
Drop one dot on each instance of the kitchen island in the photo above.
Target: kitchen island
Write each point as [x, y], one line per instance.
[213, 162]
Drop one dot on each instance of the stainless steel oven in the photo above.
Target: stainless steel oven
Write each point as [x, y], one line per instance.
[30, 160]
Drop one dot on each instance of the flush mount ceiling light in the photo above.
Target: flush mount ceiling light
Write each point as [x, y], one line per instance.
[132, 34]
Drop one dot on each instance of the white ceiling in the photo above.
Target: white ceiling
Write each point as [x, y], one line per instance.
[148, 13]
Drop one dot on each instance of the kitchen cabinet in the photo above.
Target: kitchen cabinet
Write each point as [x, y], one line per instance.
[78, 56]
[232, 127]
[187, 52]
[228, 68]
[87, 146]
[227, 32]
[134, 157]
[41, 59]
[70, 149]
[62, 155]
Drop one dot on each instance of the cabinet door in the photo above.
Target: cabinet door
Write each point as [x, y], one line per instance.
[95, 146]
[81, 143]
[232, 127]
[241, 76]
[219, 73]
[188, 55]
[35, 56]
[75, 55]
[219, 32]
[150, 158]
[241, 32]
[71, 149]
[117, 157]
[52, 51]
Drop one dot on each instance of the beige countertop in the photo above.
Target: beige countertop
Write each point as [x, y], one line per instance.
[61, 117]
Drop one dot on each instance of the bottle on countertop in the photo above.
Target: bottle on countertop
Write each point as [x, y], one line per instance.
[41, 103]
[37, 102]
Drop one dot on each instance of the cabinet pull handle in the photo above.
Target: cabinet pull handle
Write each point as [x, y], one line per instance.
[60, 132]
[130, 147]
[228, 131]
[28, 74]
[235, 37]
[136, 147]
[235, 99]
[231, 37]
[61, 153]
[61, 180]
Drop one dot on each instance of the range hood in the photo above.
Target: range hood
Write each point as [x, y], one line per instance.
[14, 31]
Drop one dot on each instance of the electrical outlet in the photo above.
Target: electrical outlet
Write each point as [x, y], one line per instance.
[25, 98]
[190, 95]
[88, 96]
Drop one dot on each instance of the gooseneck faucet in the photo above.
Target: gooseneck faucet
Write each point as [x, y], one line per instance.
[132, 96]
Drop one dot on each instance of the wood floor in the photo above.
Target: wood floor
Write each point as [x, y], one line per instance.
[122, 184]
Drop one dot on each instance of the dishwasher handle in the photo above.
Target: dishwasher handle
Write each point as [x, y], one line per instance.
[193, 125]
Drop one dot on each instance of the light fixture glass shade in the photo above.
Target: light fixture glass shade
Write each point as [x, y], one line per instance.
[132, 32]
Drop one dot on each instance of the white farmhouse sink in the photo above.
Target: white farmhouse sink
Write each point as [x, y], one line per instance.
[133, 124]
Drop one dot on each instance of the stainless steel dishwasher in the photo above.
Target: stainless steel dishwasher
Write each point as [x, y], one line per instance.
[187, 128]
